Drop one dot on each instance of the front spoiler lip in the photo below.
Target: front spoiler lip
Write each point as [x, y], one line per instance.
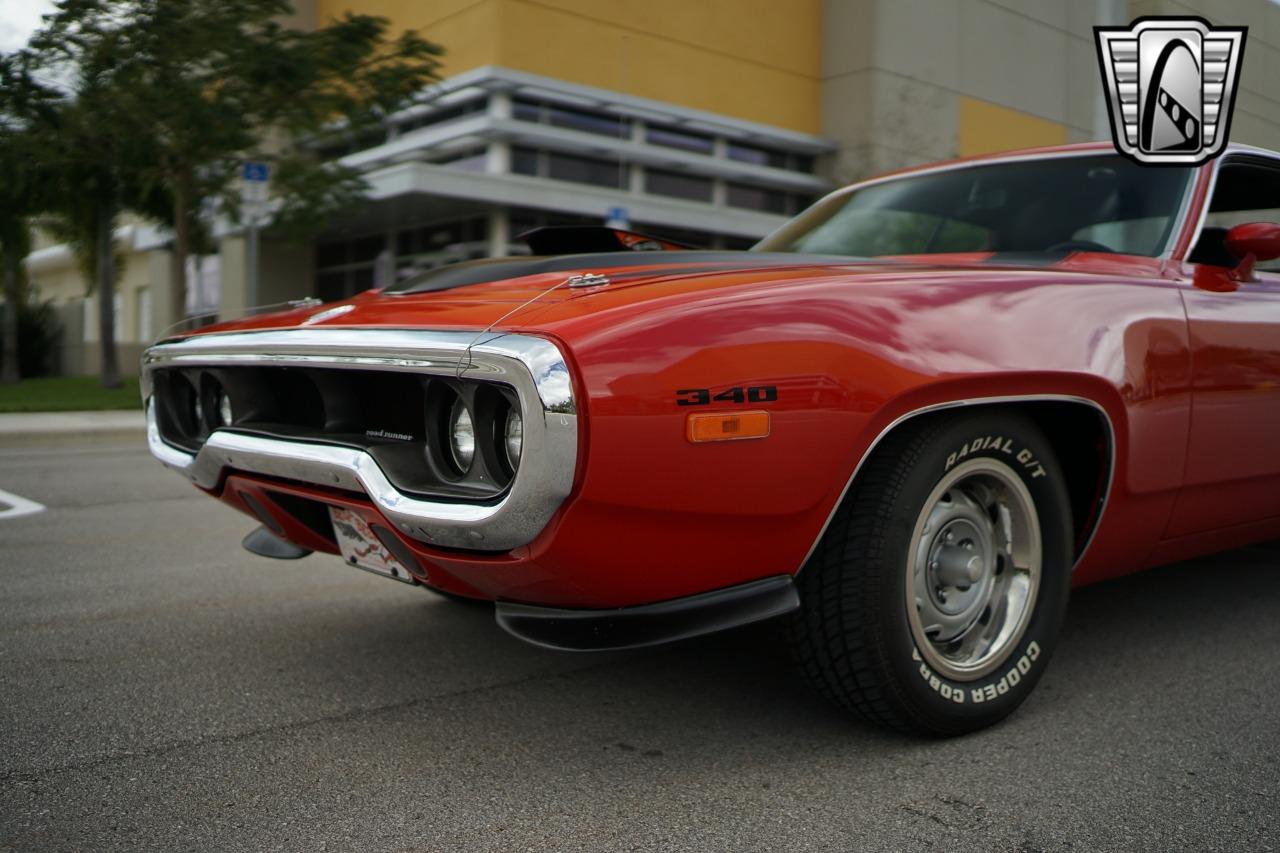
[577, 630]
[534, 367]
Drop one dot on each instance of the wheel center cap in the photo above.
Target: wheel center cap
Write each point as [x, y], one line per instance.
[957, 566]
[959, 561]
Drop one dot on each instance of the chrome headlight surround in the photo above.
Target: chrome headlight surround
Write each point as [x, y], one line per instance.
[533, 367]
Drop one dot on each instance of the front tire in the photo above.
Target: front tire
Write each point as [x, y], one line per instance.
[934, 599]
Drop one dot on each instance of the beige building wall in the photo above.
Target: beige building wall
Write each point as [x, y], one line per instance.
[286, 271]
[910, 81]
[56, 276]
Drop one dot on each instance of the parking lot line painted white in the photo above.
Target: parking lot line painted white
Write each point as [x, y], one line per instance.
[17, 506]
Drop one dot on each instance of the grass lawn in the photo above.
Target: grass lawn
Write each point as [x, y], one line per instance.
[67, 394]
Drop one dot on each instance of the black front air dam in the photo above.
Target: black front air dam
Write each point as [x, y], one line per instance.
[648, 624]
[264, 543]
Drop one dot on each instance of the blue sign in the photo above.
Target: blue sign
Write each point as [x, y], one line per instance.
[618, 217]
[255, 172]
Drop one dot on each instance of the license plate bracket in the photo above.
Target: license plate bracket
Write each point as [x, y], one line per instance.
[361, 547]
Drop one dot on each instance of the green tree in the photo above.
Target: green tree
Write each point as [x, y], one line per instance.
[88, 157]
[216, 82]
[22, 102]
[15, 245]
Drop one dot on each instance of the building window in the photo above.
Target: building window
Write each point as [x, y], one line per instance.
[439, 236]
[677, 185]
[756, 198]
[337, 253]
[566, 167]
[345, 267]
[684, 140]
[587, 121]
[341, 146]
[757, 155]
[366, 248]
[331, 255]
[457, 111]
[467, 160]
[525, 110]
[439, 243]
[771, 157]
[583, 170]
[524, 161]
[332, 286]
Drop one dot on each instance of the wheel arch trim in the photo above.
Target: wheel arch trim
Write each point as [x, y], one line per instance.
[984, 402]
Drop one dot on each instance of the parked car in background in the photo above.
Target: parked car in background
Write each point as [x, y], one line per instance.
[908, 422]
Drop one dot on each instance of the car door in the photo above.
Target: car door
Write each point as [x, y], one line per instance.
[1233, 455]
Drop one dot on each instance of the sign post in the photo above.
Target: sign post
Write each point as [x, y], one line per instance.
[254, 179]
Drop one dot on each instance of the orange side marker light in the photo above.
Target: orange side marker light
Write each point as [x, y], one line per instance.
[726, 426]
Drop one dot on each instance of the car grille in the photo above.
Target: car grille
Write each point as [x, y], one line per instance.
[401, 419]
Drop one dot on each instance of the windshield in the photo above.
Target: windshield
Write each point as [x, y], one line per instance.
[1100, 203]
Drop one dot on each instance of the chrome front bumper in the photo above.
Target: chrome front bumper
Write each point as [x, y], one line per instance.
[534, 367]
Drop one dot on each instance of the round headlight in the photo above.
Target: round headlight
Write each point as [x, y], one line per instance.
[514, 436]
[225, 415]
[462, 436]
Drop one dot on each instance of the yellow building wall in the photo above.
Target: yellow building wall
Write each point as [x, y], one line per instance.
[753, 59]
[986, 128]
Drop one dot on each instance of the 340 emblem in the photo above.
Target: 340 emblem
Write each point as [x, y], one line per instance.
[703, 396]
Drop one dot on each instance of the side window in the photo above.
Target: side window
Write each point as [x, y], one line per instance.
[1246, 191]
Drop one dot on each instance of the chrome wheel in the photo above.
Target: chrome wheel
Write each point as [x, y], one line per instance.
[974, 569]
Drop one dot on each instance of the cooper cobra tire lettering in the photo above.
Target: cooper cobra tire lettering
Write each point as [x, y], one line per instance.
[955, 692]
[1011, 678]
[944, 688]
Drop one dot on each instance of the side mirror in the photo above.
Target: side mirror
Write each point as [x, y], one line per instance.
[1252, 242]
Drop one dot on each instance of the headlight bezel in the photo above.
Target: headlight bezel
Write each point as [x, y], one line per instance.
[488, 405]
[462, 439]
[516, 420]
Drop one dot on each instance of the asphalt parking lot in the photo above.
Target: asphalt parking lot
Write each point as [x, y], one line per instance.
[162, 689]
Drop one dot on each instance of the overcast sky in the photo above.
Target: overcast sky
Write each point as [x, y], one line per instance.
[18, 18]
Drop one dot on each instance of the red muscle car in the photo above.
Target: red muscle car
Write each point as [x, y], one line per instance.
[908, 422]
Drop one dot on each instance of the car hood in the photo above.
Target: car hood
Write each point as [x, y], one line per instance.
[521, 292]
[480, 294]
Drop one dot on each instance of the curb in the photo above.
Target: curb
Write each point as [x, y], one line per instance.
[71, 428]
[31, 440]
